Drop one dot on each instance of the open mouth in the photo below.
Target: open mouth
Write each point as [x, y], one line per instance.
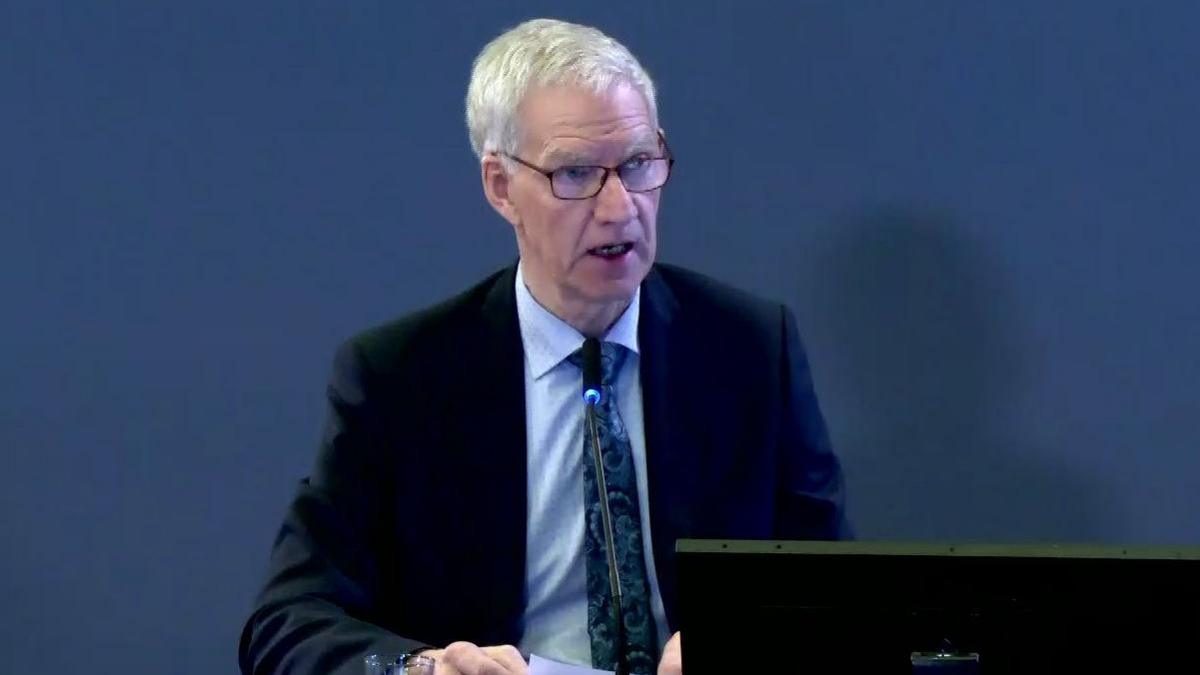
[611, 251]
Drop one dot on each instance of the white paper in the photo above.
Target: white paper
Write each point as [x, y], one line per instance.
[540, 666]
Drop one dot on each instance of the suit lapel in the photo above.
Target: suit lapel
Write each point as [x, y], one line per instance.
[499, 433]
[666, 427]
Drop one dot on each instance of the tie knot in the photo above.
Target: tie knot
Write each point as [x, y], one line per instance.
[612, 355]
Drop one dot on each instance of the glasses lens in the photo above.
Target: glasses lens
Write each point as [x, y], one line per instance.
[641, 175]
[574, 182]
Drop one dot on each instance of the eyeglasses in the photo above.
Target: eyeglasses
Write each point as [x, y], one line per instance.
[584, 181]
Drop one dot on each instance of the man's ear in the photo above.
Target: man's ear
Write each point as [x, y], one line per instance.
[496, 183]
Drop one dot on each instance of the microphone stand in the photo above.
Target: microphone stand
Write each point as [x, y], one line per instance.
[591, 396]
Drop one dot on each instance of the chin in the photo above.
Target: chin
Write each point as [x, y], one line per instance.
[613, 290]
[614, 284]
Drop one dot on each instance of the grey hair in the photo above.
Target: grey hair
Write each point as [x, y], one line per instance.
[543, 52]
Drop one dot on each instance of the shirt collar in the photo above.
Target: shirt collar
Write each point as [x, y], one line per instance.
[548, 340]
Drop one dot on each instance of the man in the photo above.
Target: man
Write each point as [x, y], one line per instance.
[453, 507]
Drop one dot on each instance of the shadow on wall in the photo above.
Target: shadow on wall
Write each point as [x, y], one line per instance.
[925, 373]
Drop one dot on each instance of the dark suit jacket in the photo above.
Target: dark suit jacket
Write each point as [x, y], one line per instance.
[412, 522]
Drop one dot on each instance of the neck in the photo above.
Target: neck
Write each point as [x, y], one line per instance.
[592, 319]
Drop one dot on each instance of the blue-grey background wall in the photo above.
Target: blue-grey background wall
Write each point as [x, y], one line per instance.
[983, 214]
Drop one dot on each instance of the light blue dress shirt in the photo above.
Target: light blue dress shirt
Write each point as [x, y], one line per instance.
[555, 572]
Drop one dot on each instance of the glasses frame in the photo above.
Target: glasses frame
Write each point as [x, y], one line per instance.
[608, 171]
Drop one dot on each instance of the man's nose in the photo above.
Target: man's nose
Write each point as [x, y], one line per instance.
[613, 202]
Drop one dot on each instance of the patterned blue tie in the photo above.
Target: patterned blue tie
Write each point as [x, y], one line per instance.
[640, 633]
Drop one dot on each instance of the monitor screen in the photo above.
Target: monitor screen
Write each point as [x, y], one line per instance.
[805, 607]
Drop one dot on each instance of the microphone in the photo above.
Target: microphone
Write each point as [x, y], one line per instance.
[591, 371]
[592, 395]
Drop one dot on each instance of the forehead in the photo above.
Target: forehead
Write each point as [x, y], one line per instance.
[569, 122]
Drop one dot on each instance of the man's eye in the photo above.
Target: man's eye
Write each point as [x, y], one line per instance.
[635, 163]
[575, 173]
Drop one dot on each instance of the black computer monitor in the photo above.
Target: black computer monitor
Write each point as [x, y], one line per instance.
[829, 607]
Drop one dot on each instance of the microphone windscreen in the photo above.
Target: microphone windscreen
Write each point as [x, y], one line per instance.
[591, 364]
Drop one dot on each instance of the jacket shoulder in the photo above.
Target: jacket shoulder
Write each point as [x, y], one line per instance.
[713, 302]
[447, 327]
